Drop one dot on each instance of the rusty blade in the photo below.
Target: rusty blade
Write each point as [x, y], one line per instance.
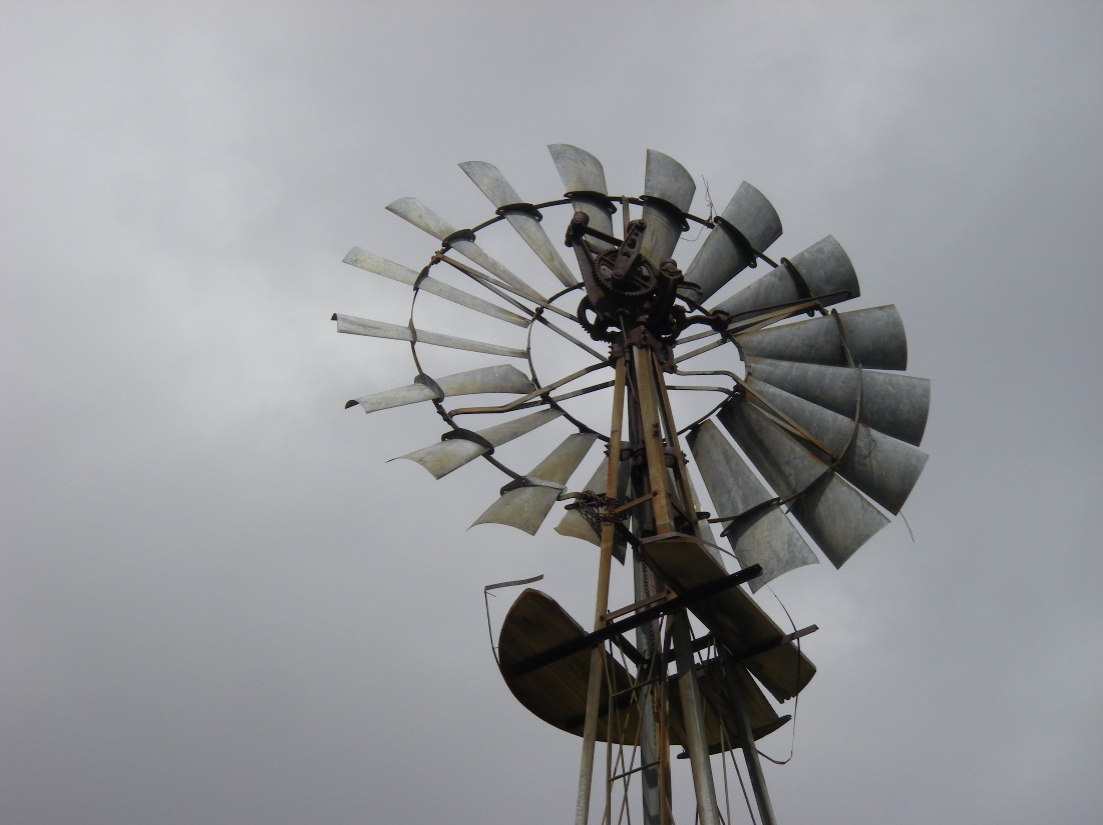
[582, 172]
[763, 535]
[836, 516]
[667, 181]
[499, 192]
[396, 272]
[447, 455]
[896, 405]
[425, 219]
[884, 468]
[379, 329]
[724, 255]
[822, 271]
[874, 338]
[503, 378]
[525, 507]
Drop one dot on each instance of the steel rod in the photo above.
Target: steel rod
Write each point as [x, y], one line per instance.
[593, 691]
[697, 747]
[746, 735]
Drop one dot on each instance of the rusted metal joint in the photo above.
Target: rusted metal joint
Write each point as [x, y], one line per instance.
[468, 435]
[668, 208]
[457, 236]
[739, 239]
[598, 199]
[519, 209]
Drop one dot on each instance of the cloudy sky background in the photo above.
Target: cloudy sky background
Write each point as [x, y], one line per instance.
[219, 605]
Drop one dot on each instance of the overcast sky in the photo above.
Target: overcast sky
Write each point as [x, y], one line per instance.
[219, 605]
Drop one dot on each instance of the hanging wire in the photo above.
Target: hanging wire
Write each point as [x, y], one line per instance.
[486, 601]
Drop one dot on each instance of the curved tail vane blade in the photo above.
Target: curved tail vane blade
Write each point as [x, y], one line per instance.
[761, 535]
[425, 219]
[748, 225]
[875, 338]
[882, 467]
[456, 450]
[498, 190]
[667, 193]
[822, 271]
[836, 516]
[396, 272]
[895, 405]
[526, 505]
[582, 173]
[379, 329]
[504, 378]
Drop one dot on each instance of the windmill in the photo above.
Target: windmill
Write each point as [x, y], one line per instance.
[807, 439]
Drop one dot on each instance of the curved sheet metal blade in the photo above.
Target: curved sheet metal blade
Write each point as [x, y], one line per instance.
[824, 269]
[396, 272]
[835, 515]
[526, 507]
[379, 329]
[882, 467]
[667, 180]
[425, 219]
[765, 536]
[895, 405]
[722, 257]
[503, 378]
[574, 525]
[875, 338]
[498, 190]
[452, 453]
[582, 172]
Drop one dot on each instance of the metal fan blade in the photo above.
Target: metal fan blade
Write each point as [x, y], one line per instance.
[396, 272]
[526, 506]
[822, 271]
[837, 517]
[379, 329]
[670, 189]
[455, 450]
[582, 173]
[764, 536]
[498, 190]
[574, 525]
[425, 219]
[893, 404]
[882, 467]
[726, 253]
[500, 379]
[875, 338]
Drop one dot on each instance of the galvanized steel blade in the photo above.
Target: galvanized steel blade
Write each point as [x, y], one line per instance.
[763, 536]
[667, 180]
[498, 190]
[396, 272]
[723, 256]
[425, 219]
[823, 272]
[582, 172]
[526, 507]
[896, 405]
[452, 453]
[874, 337]
[378, 329]
[503, 378]
[884, 468]
[834, 514]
